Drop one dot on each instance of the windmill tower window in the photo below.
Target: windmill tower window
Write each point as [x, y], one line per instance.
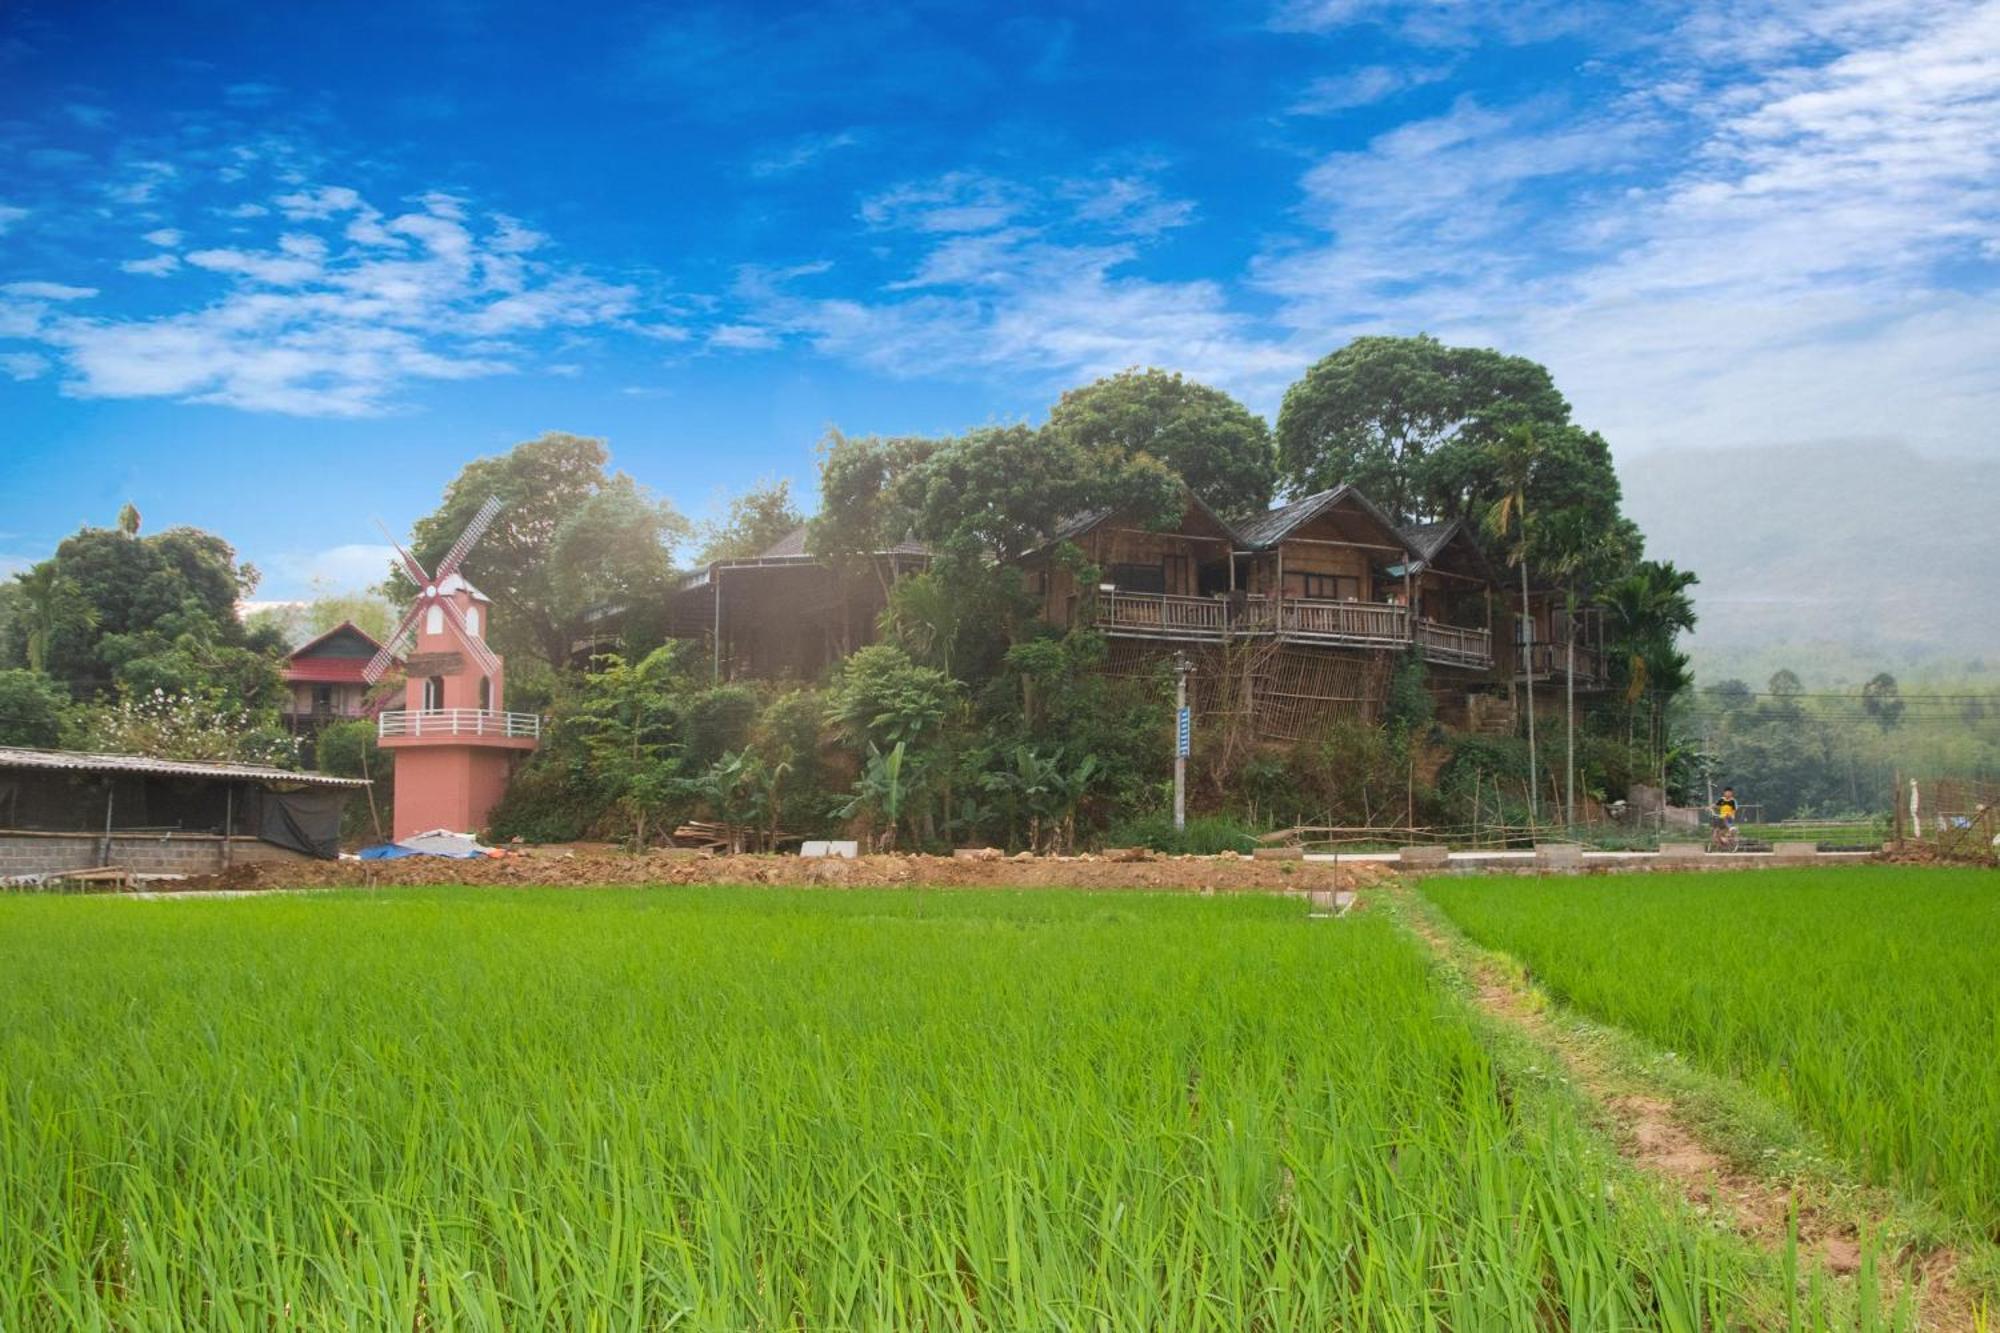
[434, 619]
[485, 694]
[472, 620]
[433, 693]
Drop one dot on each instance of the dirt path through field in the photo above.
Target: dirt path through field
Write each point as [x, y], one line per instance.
[1663, 1138]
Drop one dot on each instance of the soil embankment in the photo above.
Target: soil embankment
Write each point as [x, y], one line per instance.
[592, 865]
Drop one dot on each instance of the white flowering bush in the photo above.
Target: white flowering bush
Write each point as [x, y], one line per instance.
[188, 726]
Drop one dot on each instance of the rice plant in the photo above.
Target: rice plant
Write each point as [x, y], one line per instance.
[760, 1109]
[1865, 998]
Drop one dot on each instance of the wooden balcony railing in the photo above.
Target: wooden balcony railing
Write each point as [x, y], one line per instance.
[1151, 615]
[458, 722]
[1344, 622]
[1454, 646]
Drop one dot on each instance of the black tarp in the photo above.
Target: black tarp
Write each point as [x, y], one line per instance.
[306, 820]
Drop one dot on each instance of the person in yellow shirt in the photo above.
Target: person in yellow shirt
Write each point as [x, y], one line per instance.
[1725, 813]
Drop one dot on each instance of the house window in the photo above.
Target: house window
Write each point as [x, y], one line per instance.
[434, 620]
[322, 698]
[433, 692]
[1326, 587]
[1139, 578]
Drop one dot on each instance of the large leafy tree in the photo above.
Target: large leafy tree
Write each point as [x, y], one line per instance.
[754, 521]
[1412, 422]
[32, 709]
[1219, 447]
[571, 539]
[108, 599]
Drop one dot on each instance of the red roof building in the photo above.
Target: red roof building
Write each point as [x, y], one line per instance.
[324, 678]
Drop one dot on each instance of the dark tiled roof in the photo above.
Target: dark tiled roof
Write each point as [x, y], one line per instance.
[1427, 539]
[1275, 524]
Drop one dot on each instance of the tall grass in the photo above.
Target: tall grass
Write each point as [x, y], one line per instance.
[1866, 998]
[729, 1109]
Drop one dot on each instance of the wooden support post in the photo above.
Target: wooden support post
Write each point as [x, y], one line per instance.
[228, 822]
[104, 848]
[715, 630]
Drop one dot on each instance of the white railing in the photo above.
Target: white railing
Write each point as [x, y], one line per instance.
[1450, 643]
[1347, 622]
[459, 722]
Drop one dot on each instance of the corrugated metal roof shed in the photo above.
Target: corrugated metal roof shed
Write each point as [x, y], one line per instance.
[80, 761]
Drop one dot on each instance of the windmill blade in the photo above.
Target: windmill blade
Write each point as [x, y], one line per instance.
[387, 653]
[488, 664]
[410, 565]
[467, 539]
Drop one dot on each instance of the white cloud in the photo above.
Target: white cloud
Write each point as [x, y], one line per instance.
[1813, 259]
[1363, 86]
[23, 365]
[47, 291]
[9, 215]
[801, 152]
[158, 266]
[144, 182]
[1012, 278]
[742, 338]
[250, 94]
[163, 236]
[955, 202]
[316, 321]
[335, 569]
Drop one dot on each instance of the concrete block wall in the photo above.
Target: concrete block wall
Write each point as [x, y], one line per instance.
[140, 853]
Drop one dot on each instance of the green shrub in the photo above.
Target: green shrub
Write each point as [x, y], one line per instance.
[1205, 835]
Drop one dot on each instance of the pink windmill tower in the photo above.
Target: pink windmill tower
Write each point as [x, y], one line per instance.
[456, 743]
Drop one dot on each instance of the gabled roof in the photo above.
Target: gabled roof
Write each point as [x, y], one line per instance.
[344, 627]
[788, 550]
[304, 666]
[1274, 525]
[1079, 523]
[1428, 541]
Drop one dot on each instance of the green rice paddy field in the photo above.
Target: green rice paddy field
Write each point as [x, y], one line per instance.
[760, 1109]
[1867, 1000]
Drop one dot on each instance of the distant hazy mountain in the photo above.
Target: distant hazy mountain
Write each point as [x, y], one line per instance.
[1837, 560]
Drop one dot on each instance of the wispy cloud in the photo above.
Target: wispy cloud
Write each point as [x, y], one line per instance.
[334, 316]
[23, 365]
[802, 152]
[1011, 277]
[1364, 86]
[9, 215]
[47, 291]
[1814, 260]
[348, 568]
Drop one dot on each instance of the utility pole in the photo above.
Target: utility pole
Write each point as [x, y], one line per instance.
[1183, 736]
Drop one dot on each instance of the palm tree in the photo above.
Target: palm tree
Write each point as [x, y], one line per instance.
[1515, 457]
[1575, 544]
[1648, 609]
[53, 605]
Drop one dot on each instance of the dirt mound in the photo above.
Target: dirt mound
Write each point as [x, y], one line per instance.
[599, 865]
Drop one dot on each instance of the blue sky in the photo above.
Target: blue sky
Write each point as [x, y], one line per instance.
[277, 270]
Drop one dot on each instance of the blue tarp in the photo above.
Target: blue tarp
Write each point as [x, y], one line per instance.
[389, 851]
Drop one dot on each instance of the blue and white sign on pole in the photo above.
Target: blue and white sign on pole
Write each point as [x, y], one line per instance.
[1186, 734]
